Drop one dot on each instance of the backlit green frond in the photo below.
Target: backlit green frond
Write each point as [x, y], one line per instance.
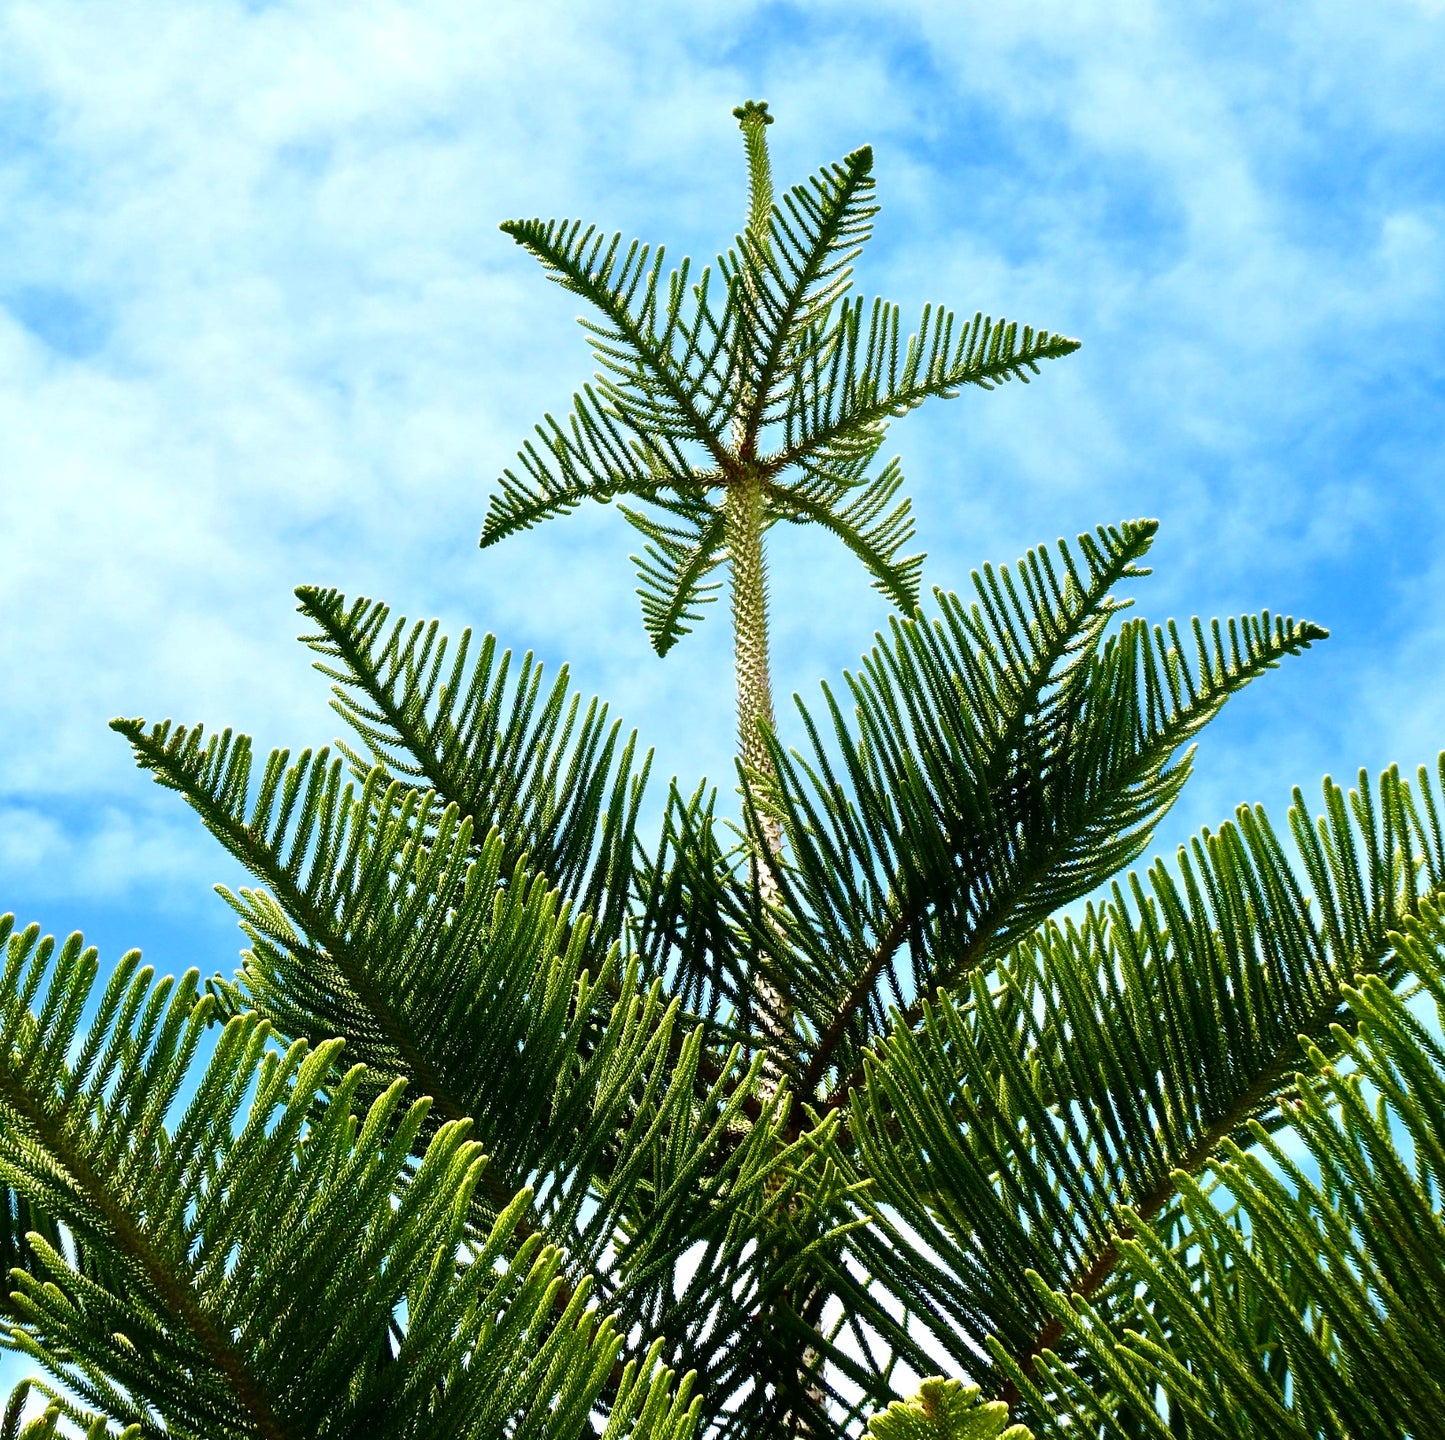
[594, 456]
[50, 1424]
[384, 923]
[277, 1263]
[1309, 1305]
[849, 378]
[1001, 761]
[1010, 1131]
[946, 1410]
[696, 912]
[797, 270]
[681, 553]
[19, 1217]
[665, 354]
[757, 1224]
[666, 361]
[864, 518]
[549, 773]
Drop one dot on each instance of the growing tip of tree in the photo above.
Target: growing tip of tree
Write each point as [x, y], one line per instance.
[752, 112]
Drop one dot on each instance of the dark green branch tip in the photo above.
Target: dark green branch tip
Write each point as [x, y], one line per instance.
[753, 112]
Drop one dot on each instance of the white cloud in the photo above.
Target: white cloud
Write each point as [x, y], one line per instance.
[318, 350]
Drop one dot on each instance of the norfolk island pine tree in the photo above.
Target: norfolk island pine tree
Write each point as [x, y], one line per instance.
[516, 1127]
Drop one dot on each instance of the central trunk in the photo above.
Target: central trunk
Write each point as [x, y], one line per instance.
[744, 517]
[744, 521]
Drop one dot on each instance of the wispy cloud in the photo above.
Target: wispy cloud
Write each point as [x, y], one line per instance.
[259, 328]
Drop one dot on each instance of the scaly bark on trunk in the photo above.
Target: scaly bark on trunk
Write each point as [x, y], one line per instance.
[744, 518]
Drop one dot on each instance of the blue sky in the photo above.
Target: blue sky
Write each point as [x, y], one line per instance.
[258, 328]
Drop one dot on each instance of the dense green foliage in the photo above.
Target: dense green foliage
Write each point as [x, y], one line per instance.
[520, 1120]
